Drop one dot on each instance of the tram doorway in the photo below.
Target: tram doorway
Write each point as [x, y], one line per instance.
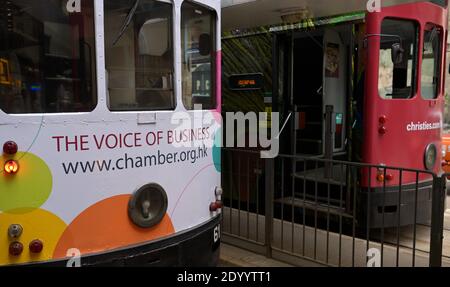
[316, 75]
[307, 100]
[316, 69]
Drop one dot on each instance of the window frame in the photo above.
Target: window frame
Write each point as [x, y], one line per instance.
[173, 39]
[95, 91]
[415, 65]
[440, 84]
[214, 103]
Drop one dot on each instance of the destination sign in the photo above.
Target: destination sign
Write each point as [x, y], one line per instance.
[246, 82]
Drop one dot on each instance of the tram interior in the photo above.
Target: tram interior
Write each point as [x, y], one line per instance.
[321, 79]
[313, 70]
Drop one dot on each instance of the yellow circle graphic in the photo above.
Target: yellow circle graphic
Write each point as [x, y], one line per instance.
[30, 187]
[37, 224]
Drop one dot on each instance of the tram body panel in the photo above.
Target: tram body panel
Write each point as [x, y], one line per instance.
[78, 172]
[398, 131]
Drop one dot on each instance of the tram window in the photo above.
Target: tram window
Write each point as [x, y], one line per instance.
[397, 80]
[431, 62]
[139, 55]
[198, 30]
[47, 57]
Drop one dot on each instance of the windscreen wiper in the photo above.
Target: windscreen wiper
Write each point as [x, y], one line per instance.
[127, 22]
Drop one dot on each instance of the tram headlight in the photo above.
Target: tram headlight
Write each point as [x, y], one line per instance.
[148, 206]
[430, 156]
[444, 151]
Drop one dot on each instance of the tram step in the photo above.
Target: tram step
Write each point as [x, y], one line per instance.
[311, 158]
[314, 206]
[321, 199]
[317, 175]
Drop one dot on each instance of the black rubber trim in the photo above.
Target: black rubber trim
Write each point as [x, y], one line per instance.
[408, 212]
[181, 250]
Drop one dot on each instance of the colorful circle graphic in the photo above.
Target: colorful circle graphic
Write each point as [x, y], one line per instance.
[37, 224]
[106, 226]
[217, 158]
[29, 188]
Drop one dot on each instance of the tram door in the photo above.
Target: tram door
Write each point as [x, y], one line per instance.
[320, 86]
[307, 94]
[334, 89]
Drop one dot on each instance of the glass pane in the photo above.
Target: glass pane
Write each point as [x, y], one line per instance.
[430, 79]
[139, 55]
[385, 75]
[398, 54]
[197, 42]
[47, 57]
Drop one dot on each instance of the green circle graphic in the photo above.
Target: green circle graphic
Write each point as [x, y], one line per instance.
[217, 151]
[29, 188]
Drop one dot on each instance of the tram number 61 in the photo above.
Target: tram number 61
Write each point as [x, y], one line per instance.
[216, 233]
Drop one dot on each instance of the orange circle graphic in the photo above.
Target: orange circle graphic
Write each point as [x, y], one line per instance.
[106, 226]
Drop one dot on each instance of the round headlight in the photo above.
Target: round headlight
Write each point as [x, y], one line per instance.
[148, 206]
[430, 156]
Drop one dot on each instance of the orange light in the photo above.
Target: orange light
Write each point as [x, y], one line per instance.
[11, 167]
[380, 177]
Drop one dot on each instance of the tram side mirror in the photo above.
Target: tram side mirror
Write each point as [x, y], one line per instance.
[204, 44]
[397, 53]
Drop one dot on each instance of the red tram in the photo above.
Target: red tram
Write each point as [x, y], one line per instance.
[404, 104]
[367, 89]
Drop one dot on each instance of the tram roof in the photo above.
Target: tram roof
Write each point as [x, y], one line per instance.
[247, 14]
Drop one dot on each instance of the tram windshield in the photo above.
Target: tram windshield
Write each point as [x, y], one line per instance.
[431, 62]
[47, 56]
[396, 80]
[139, 55]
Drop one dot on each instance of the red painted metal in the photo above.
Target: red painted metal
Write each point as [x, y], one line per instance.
[400, 147]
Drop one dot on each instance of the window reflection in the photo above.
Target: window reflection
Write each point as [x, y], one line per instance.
[396, 80]
[47, 57]
[198, 56]
[140, 64]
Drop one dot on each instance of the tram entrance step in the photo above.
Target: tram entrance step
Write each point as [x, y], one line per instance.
[338, 175]
[313, 206]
